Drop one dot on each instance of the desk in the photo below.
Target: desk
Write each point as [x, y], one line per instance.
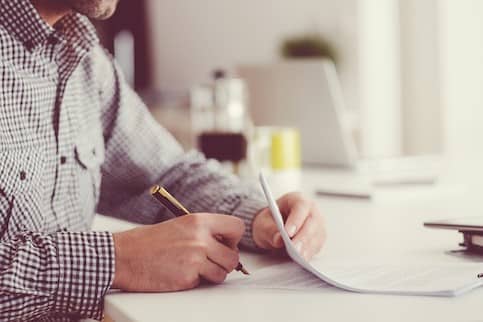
[357, 229]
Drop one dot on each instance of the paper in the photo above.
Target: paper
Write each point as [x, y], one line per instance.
[385, 278]
[411, 279]
[288, 276]
[424, 280]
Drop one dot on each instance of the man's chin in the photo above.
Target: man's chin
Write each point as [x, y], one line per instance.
[94, 9]
[103, 15]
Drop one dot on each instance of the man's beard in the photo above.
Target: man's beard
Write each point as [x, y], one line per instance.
[95, 9]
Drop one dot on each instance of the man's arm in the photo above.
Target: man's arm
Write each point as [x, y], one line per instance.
[140, 153]
[63, 273]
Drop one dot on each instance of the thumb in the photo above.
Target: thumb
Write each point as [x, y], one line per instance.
[277, 241]
[265, 232]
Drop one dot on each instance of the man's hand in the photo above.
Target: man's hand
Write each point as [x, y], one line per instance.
[176, 254]
[303, 223]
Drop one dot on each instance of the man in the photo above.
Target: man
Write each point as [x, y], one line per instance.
[68, 118]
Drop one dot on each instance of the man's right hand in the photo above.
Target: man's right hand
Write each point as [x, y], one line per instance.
[176, 254]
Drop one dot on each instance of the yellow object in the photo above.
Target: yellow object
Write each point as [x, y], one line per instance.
[285, 150]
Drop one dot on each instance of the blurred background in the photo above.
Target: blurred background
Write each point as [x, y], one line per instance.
[410, 71]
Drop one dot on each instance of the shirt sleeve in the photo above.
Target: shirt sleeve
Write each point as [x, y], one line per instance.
[140, 153]
[64, 273]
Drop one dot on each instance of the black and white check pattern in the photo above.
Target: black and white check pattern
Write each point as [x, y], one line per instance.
[67, 120]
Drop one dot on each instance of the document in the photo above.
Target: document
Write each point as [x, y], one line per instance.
[287, 276]
[435, 280]
[412, 279]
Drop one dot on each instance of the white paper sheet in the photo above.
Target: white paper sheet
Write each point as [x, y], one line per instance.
[424, 280]
[287, 276]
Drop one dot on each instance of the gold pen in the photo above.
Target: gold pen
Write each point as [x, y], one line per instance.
[170, 202]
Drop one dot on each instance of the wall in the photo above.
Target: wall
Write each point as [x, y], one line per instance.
[422, 115]
[462, 86]
[379, 78]
[191, 38]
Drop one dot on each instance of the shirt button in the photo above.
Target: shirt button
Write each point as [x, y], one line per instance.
[52, 40]
[63, 160]
[23, 175]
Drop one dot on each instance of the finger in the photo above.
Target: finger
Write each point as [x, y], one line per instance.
[230, 228]
[319, 229]
[273, 238]
[277, 241]
[222, 255]
[309, 239]
[287, 201]
[212, 272]
[269, 236]
[297, 215]
[272, 235]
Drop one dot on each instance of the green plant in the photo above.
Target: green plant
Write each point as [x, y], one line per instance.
[308, 46]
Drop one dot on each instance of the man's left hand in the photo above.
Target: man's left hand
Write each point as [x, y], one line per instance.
[303, 223]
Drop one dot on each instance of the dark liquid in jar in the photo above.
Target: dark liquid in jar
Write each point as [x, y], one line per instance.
[223, 146]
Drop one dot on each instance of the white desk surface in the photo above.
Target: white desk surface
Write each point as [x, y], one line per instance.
[378, 230]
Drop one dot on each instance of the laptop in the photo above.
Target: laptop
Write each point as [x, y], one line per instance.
[307, 95]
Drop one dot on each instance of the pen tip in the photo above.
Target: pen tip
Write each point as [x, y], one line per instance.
[242, 269]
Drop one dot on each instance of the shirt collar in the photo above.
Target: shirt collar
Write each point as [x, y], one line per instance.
[21, 19]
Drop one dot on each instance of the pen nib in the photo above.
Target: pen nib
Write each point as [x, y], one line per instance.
[242, 269]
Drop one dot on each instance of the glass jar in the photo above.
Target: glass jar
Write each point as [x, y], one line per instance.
[220, 120]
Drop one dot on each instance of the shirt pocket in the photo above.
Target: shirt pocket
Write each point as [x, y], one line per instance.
[21, 189]
[89, 154]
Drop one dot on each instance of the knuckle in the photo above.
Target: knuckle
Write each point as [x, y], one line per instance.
[306, 201]
[199, 246]
[297, 195]
[199, 238]
[195, 221]
[302, 198]
[194, 258]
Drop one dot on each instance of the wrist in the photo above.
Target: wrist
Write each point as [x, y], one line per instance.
[120, 262]
[247, 210]
[257, 230]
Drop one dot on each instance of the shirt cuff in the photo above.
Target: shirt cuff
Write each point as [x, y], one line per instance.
[247, 210]
[86, 272]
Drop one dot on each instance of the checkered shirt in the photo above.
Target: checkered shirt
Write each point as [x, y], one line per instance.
[67, 120]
